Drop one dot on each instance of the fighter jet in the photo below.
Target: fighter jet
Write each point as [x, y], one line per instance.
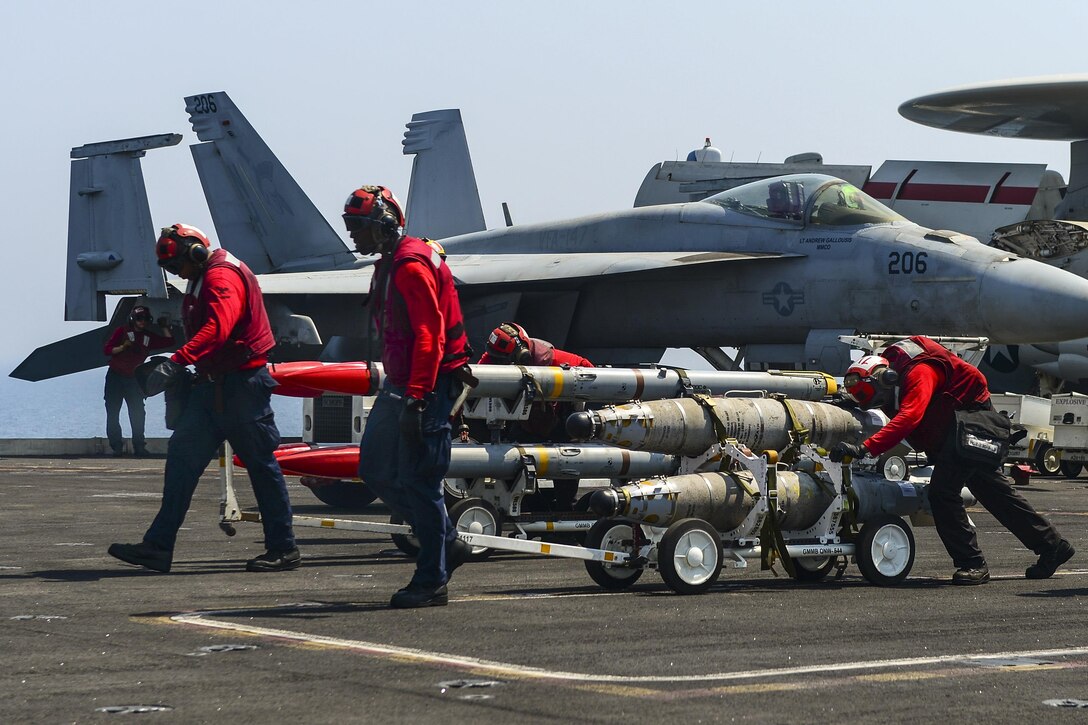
[779, 267]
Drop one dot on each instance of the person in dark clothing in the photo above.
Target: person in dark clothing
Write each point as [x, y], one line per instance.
[229, 338]
[127, 347]
[921, 385]
[405, 450]
[508, 344]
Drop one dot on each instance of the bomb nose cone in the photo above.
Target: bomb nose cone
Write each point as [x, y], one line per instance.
[1029, 301]
[604, 503]
[581, 426]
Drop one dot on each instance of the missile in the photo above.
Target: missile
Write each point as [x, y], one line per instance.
[721, 499]
[685, 427]
[603, 385]
[472, 460]
[308, 379]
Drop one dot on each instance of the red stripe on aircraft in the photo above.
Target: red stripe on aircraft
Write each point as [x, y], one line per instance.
[879, 189]
[943, 192]
[1014, 195]
[970, 193]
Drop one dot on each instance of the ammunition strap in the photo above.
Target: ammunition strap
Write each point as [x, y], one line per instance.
[798, 434]
[772, 545]
[723, 436]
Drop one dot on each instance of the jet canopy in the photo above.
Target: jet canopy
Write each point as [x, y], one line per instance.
[809, 198]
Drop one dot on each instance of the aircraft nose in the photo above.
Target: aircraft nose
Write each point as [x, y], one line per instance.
[1027, 301]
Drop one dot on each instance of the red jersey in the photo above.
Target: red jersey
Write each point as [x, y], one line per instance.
[934, 383]
[423, 332]
[140, 344]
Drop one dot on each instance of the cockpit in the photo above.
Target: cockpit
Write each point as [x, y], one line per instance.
[813, 199]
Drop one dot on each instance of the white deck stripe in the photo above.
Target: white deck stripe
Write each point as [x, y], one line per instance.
[203, 619]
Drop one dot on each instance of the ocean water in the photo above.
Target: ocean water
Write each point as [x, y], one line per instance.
[72, 407]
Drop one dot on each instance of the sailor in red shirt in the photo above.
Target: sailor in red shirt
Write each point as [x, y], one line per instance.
[921, 385]
[229, 338]
[405, 449]
[127, 347]
[509, 344]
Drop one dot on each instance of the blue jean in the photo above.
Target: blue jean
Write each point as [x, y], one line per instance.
[124, 389]
[408, 476]
[245, 418]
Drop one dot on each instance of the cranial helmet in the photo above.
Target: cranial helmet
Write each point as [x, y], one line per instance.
[508, 343]
[182, 243]
[868, 379]
[374, 205]
[139, 313]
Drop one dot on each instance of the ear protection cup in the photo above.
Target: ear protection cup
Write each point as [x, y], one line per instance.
[887, 377]
[198, 253]
[521, 355]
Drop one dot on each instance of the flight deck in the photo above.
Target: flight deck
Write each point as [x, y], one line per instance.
[524, 638]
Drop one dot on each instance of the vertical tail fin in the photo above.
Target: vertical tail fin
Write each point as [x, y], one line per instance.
[443, 200]
[111, 240]
[261, 214]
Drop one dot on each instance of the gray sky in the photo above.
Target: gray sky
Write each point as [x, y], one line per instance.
[567, 105]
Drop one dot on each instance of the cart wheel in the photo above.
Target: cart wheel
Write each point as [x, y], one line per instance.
[885, 550]
[1048, 460]
[476, 516]
[894, 468]
[809, 569]
[349, 495]
[612, 535]
[407, 543]
[455, 489]
[690, 556]
[1071, 469]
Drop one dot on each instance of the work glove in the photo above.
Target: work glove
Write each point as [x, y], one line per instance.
[411, 419]
[843, 451]
[158, 374]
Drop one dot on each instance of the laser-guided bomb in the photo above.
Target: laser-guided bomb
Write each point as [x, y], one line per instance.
[725, 499]
[815, 514]
[687, 427]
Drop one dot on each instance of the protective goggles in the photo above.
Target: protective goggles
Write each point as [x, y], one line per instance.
[172, 265]
[357, 222]
[851, 379]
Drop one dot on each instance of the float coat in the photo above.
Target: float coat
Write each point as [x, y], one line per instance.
[683, 426]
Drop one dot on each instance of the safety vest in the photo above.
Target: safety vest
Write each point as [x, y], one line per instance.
[962, 386]
[252, 334]
[397, 334]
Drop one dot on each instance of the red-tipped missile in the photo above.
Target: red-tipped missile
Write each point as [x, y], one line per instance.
[499, 459]
[284, 449]
[352, 378]
[603, 385]
[325, 462]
